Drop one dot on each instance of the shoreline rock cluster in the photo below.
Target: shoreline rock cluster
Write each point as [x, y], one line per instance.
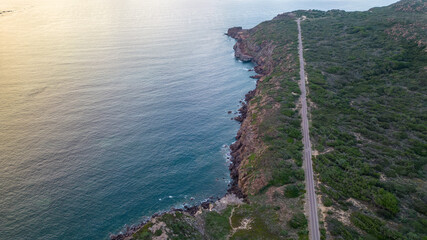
[130, 230]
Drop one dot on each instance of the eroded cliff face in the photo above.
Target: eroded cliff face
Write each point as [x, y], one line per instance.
[247, 50]
[247, 139]
[247, 142]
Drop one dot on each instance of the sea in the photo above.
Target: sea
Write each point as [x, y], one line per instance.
[113, 110]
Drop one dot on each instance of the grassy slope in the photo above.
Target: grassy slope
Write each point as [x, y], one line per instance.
[275, 114]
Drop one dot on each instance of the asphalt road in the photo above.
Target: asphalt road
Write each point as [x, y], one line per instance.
[313, 221]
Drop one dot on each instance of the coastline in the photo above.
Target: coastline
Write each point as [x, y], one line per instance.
[234, 193]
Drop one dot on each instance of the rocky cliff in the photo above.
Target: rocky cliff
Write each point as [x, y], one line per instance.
[255, 206]
[247, 139]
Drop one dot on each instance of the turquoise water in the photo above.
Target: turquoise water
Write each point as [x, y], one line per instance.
[113, 110]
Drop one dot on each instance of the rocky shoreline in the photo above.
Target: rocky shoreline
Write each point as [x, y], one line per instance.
[128, 231]
[237, 148]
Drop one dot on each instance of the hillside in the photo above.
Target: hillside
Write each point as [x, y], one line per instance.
[367, 76]
[367, 97]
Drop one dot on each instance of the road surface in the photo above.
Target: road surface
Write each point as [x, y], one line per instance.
[313, 221]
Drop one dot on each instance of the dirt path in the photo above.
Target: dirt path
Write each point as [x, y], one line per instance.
[244, 224]
[308, 165]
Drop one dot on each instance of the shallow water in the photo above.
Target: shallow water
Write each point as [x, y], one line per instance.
[113, 110]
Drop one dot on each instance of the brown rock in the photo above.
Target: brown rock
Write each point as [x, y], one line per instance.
[234, 31]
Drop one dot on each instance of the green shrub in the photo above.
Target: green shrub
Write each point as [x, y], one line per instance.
[387, 201]
[178, 223]
[298, 221]
[374, 226]
[292, 191]
[337, 228]
[217, 225]
[158, 232]
[327, 201]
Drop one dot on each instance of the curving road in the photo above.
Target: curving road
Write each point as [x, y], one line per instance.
[313, 220]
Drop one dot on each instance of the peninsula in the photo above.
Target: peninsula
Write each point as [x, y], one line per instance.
[345, 90]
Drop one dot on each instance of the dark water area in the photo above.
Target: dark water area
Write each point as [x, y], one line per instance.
[113, 110]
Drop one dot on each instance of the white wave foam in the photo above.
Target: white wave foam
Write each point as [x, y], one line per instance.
[226, 153]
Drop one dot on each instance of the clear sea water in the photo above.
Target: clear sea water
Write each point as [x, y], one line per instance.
[112, 110]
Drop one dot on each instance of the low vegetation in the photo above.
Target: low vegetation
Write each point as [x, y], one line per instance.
[367, 79]
[367, 74]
